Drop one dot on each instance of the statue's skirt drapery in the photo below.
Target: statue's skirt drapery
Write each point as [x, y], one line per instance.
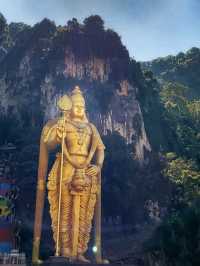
[85, 209]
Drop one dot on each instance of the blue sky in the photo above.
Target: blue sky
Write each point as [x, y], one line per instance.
[148, 28]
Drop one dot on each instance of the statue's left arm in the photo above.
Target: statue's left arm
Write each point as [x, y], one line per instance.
[97, 153]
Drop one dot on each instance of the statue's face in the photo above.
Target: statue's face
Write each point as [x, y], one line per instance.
[78, 110]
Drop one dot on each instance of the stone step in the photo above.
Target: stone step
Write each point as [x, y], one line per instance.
[61, 261]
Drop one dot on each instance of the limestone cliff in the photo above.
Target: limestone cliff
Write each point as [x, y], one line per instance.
[47, 61]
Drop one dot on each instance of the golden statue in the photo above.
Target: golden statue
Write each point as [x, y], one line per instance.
[74, 182]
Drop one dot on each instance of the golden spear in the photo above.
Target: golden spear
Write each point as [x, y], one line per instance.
[65, 105]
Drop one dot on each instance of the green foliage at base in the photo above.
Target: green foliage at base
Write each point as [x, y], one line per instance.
[176, 241]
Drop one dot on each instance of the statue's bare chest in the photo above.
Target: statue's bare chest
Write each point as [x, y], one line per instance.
[78, 138]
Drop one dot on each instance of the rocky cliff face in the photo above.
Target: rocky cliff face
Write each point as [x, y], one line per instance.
[47, 61]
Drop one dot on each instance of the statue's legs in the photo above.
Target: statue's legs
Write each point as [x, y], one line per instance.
[86, 214]
[87, 204]
[66, 223]
[65, 219]
[53, 202]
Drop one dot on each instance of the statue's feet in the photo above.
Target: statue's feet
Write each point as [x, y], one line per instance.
[102, 261]
[82, 259]
[65, 252]
[105, 261]
[37, 262]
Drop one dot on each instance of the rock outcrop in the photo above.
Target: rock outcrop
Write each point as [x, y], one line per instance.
[47, 61]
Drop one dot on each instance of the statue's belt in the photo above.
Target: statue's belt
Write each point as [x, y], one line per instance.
[69, 160]
[53, 181]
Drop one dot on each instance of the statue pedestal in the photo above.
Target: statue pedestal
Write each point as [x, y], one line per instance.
[61, 261]
[56, 260]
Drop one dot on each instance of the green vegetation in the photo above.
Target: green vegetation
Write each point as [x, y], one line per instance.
[186, 175]
[173, 99]
[182, 68]
[176, 241]
[183, 117]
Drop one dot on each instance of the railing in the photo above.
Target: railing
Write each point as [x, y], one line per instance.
[13, 258]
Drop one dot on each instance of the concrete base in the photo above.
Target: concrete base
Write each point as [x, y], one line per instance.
[61, 261]
[54, 260]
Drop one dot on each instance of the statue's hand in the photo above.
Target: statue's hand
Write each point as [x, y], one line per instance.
[60, 129]
[93, 170]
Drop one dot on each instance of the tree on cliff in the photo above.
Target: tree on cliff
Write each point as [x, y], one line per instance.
[183, 119]
[2, 23]
[73, 25]
[94, 24]
[183, 68]
[4, 36]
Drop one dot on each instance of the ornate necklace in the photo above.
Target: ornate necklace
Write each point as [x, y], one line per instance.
[79, 125]
[81, 132]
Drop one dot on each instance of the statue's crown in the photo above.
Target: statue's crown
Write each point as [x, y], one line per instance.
[77, 95]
